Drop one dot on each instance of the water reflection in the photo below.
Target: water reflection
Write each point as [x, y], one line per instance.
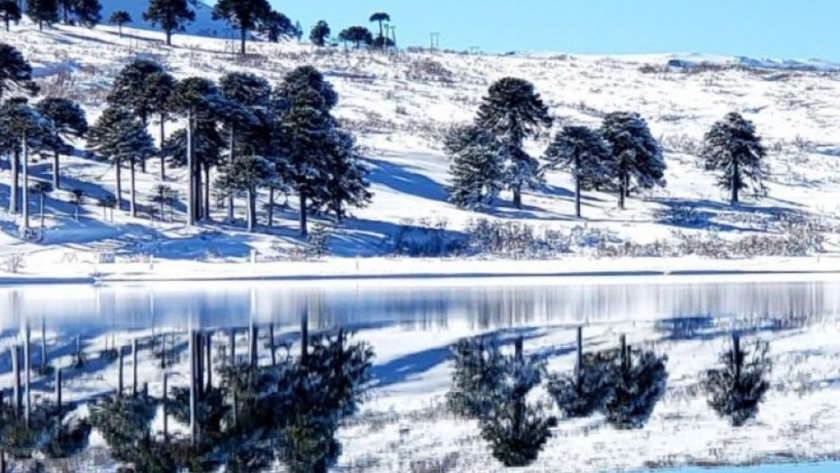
[90, 310]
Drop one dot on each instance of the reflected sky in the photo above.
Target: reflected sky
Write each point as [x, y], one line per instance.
[93, 309]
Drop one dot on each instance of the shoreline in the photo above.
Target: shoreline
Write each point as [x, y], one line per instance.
[399, 271]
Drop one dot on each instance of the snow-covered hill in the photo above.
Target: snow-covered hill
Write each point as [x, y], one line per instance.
[204, 24]
[400, 105]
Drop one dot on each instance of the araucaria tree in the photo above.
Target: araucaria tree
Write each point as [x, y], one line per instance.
[356, 34]
[736, 389]
[15, 72]
[380, 17]
[245, 15]
[9, 12]
[581, 151]
[247, 173]
[319, 34]
[68, 121]
[276, 25]
[476, 170]
[120, 18]
[171, 15]
[513, 112]
[88, 12]
[121, 139]
[42, 11]
[636, 155]
[733, 147]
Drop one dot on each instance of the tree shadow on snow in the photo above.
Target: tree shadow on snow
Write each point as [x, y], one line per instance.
[404, 181]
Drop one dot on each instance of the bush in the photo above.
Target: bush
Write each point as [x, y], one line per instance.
[477, 374]
[596, 382]
[639, 384]
[737, 388]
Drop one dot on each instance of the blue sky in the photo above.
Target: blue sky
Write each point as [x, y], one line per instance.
[759, 28]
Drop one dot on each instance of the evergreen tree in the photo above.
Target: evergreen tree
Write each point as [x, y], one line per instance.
[478, 372]
[733, 147]
[737, 388]
[121, 138]
[9, 12]
[68, 121]
[41, 189]
[247, 174]
[380, 17]
[636, 154]
[516, 430]
[140, 89]
[347, 183]
[583, 152]
[161, 85]
[319, 34]
[120, 18]
[15, 72]
[42, 11]
[207, 153]
[356, 34]
[513, 111]
[171, 15]
[580, 396]
[300, 80]
[476, 169]
[251, 93]
[88, 12]
[243, 14]
[276, 25]
[198, 100]
[639, 378]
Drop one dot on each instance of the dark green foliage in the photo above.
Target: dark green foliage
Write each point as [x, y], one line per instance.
[346, 180]
[582, 152]
[638, 387]
[737, 388]
[244, 15]
[246, 174]
[476, 168]
[513, 111]
[276, 25]
[88, 12]
[358, 35]
[42, 11]
[380, 17]
[207, 146]
[596, 383]
[9, 12]
[135, 88]
[478, 372]
[733, 147]
[319, 34]
[68, 120]
[120, 18]
[636, 155]
[67, 439]
[124, 422]
[171, 15]
[15, 72]
[299, 82]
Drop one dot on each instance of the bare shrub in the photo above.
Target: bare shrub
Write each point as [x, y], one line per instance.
[428, 70]
[13, 263]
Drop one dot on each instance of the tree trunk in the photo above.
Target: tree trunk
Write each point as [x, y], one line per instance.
[242, 33]
[7, 23]
[42, 209]
[25, 183]
[302, 214]
[66, 13]
[577, 196]
[133, 201]
[252, 217]
[14, 203]
[517, 196]
[55, 178]
[169, 37]
[622, 191]
[162, 139]
[119, 26]
[207, 193]
[230, 161]
[40, 25]
[190, 168]
[270, 207]
[118, 186]
[736, 182]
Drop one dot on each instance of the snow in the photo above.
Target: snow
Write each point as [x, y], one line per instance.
[398, 117]
[204, 24]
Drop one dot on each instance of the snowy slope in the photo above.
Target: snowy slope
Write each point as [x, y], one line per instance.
[400, 106]
[204, 24]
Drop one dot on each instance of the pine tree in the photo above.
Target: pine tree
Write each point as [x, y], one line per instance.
[301, 79]
[733, 147]
[380, 17]
[247, 174]
[636, 154]
[356, 34]
[9, 12]
[319, 34]
[737, 388]
[276, 25]
[639, 378]
[513, 112]
[243, 14]
[207, 153]
[583, 152]
[162, 85]
[15, 73]
[120, 18]
[476, 169]
[171, 15]
[42, 11]
[347, 183]
[122, 139]
[68, 121]
[477, 374]
[88, 12]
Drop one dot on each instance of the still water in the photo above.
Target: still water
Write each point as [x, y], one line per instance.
[90, 310]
